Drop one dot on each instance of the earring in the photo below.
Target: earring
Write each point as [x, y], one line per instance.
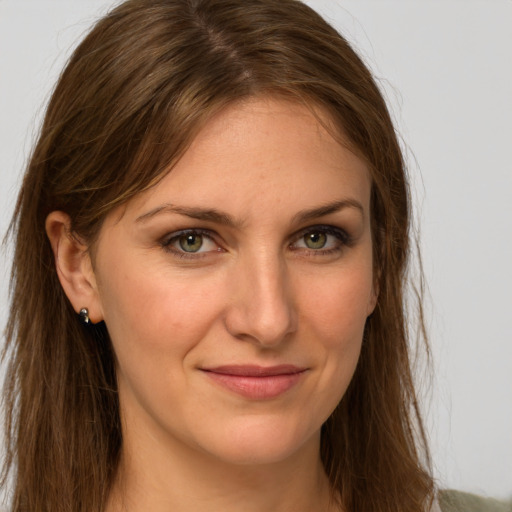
[84, 316]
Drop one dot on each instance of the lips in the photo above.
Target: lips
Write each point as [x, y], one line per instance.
[256, 382]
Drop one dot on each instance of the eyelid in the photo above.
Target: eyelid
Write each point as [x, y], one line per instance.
[341, 234]
[344, 238]
[167, 241]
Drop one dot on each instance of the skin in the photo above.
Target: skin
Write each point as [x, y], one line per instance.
[272, 286]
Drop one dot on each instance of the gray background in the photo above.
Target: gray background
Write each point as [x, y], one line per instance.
[446, 69]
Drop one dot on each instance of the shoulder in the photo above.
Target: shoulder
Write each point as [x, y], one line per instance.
[455, 501]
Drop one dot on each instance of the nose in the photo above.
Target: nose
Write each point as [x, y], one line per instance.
[262, 309]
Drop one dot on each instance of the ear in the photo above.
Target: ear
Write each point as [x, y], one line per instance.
[372, 300]
[374, 292]
[74, 266]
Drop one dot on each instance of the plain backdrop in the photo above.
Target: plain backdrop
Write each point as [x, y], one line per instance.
[446, 70]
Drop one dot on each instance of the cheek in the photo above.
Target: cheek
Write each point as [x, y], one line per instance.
[155, 320]
[339, 304]
[154, 311]
[335, 312]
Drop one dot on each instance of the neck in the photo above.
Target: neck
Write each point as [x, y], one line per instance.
[182, 479]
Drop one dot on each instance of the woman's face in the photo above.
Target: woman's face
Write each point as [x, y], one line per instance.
[237, 289]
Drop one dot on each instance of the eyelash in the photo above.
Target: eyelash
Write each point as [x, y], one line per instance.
[343, 240]
[167, 242]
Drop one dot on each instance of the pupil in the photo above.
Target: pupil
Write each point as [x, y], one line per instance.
[316, 240]
[191, 243]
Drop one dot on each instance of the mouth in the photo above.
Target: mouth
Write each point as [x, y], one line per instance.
[256, 382]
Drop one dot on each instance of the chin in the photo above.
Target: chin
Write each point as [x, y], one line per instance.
[262, 442]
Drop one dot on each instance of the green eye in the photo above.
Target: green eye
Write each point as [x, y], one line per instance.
[315, 240]
[190, 242]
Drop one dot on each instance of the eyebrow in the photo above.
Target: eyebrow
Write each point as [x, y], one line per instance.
[328, 209]
[206, 214]
[219, 217]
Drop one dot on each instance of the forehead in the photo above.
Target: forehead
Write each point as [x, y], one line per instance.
[260, 153]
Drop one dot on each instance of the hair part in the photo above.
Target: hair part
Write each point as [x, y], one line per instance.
[128, 104]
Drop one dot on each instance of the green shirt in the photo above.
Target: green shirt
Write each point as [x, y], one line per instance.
[455, 501]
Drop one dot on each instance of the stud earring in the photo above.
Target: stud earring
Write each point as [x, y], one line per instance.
[84, 316]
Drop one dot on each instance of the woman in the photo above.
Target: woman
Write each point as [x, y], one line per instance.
[211, 249]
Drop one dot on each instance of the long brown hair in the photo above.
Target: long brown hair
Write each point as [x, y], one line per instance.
[127, 105]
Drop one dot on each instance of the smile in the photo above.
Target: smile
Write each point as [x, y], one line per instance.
[256, 382]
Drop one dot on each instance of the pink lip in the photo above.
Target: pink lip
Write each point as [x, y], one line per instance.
[256, 382]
